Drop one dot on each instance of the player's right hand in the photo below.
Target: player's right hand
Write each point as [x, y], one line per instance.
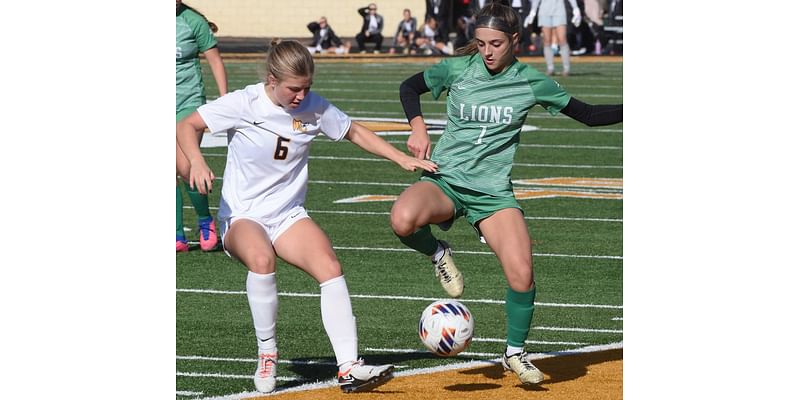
[201, 178]
[419, 144]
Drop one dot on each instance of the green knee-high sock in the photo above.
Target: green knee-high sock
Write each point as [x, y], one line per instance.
[519, 313]
[422, 241]
[199, 201]
[178, 212]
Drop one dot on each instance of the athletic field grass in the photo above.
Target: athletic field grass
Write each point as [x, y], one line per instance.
[575, 224]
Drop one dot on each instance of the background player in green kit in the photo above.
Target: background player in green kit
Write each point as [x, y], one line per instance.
[194, 35]
[489, 96]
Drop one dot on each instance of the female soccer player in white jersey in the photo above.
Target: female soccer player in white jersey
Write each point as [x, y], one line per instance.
[489, 96]
[270, 127]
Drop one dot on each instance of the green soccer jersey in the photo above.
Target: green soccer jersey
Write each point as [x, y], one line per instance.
[485, 114]
[193, 36]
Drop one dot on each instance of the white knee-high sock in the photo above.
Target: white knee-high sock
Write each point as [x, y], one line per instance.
[565, 53]
[262, 294]
[548, 57]
[338, 319]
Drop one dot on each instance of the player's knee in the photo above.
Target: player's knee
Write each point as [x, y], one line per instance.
[402, 221]
[261, 263]
[521, 278]
[329, 270]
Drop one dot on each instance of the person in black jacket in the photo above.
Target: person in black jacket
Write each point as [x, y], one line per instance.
[325, 39]
[406, 30]
[371, 28]
[440, 10]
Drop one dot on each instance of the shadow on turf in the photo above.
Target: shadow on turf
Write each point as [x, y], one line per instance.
[315, 372]
[559, 369]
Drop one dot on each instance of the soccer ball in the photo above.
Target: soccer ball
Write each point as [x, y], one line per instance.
[446, 327]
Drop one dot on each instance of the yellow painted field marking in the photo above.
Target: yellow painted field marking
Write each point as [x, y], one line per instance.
[613, 183]
[527, 194]
[520, 194]
[380, 126]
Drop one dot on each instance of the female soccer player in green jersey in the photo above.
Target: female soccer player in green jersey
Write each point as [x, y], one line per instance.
[194, 35]
[489, 95]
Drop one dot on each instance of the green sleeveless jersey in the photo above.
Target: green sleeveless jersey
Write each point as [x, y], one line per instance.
[193, 36]
[485, 114]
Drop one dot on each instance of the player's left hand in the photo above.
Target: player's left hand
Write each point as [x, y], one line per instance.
[576, 17]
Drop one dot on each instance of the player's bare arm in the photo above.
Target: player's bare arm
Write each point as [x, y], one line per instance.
[189, 132]
[362, 137]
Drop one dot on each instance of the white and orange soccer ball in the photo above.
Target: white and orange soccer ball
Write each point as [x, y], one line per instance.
[446, 327]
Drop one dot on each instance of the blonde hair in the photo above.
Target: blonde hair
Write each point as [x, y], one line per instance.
[494, 16]
[289, 58]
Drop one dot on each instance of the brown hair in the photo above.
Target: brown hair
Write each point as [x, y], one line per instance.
[494, 16]
[289, 58]
[214, 28]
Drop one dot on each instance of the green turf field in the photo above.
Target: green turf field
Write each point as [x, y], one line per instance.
[577, 246]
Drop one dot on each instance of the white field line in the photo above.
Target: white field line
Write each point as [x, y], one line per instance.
[554, 146]
[231, 376]
[385, 160]
[530, 218]
[253, 360]
[375, 91]
[616, 319]
[514, 164]
[321, 88]
[497, 340]
[369, 82]
[419, 351]
[478, 252]
[250, 360]
[483, 253]
[533, 115]
[387, 213]
[409, 298]
[587, 330]
[429, 370]
[187, 393]
[442, 101]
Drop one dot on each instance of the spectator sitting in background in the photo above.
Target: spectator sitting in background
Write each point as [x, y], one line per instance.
[406, 30]
[325, 39]
[429, 39]
[371, 28]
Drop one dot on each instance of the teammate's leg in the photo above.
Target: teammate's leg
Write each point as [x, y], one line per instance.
[507, 235]
[206, 225]
[561, 35]
[180, 238]
[306, 246]
[247, 241]
[547, 35]
[421, 204]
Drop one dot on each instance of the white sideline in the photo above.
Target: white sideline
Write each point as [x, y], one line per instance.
[387, 213]
[462, 365]
[385, 297]
[485, 253]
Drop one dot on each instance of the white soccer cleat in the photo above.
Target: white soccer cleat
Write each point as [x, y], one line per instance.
[520, 365]
[265, 374]
[449, 276]
[360, 377]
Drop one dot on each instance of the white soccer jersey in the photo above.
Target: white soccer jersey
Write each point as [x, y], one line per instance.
[266, 173]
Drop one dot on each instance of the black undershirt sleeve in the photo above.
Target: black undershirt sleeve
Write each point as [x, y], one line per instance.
[410, 90]
[593, 115]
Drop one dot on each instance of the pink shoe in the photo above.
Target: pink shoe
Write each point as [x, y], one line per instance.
[208, 235]
[181, 246]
